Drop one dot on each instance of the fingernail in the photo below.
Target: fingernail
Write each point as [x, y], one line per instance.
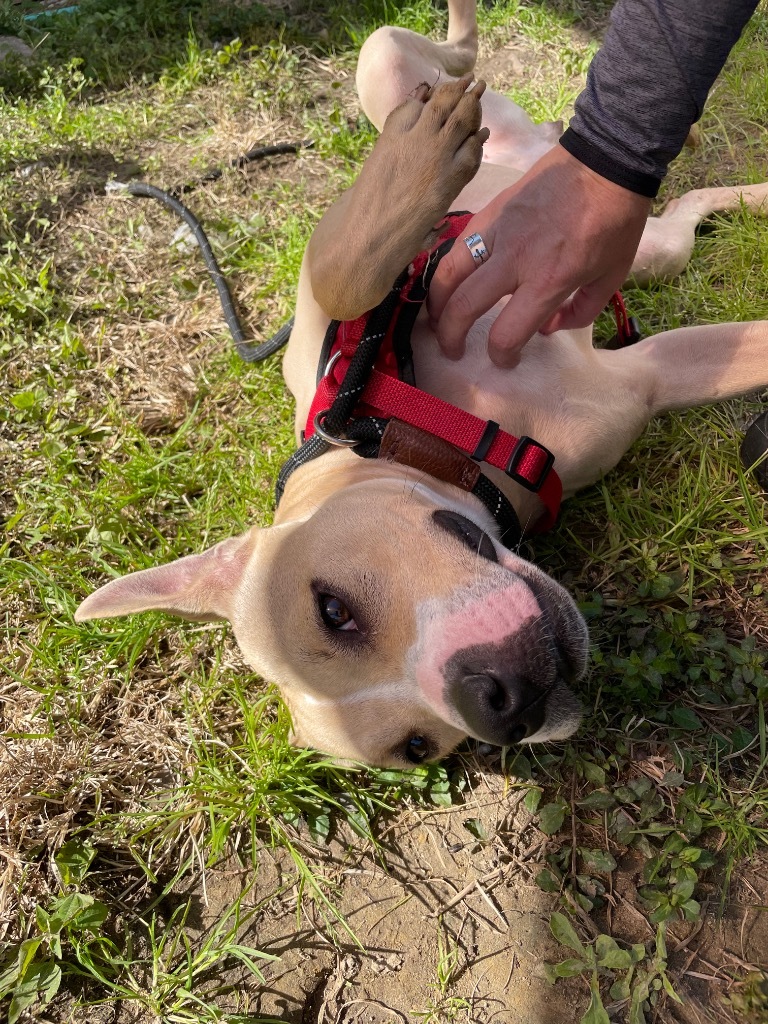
[448, 350]
[504, 360]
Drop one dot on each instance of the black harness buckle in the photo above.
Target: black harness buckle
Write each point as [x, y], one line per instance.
[517, 455]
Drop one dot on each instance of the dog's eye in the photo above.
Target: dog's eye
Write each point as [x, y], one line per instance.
[335, 613]
[417, 749]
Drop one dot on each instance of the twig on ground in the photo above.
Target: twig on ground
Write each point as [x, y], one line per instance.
[463, 893]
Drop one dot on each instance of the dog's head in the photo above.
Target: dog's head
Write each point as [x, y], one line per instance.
[393, 621]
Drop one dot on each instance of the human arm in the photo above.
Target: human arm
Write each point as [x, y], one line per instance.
[572, 224]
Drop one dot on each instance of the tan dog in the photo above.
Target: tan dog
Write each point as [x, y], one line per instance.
[382, 601]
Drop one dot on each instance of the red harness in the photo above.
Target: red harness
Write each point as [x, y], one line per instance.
[385, 395]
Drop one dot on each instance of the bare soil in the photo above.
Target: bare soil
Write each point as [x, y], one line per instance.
[458, 928]
[432, 893]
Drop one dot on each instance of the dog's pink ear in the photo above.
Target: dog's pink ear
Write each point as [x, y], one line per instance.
[196, 587]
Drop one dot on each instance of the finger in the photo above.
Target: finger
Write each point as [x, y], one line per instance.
[475, 296]
[581, 309]
[517, 323]
[453, 269]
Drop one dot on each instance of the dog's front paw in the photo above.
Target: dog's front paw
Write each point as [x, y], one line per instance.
[434, 144]
[431, 146]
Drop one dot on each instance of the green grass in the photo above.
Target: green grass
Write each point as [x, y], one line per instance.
[132, 435]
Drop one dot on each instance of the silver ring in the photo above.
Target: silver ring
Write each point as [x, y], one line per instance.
[337, 442]
[331, 363]
[477, 248]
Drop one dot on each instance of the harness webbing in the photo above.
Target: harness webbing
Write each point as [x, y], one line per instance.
[363, 363]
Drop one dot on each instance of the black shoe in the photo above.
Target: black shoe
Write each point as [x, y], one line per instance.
[755, 446]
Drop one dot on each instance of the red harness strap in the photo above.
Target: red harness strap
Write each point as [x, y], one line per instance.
[521, 458]
[349, 333]
[386, 396]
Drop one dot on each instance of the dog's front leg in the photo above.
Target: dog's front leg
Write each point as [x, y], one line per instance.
[431, 146]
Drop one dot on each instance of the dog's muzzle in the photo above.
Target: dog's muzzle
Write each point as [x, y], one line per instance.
[501, 690]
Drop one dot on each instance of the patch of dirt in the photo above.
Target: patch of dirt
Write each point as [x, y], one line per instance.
[730, 943]
[457, 928]
[445, 923]
[519, 62]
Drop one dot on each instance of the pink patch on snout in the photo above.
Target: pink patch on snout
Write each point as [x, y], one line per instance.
[489, 619]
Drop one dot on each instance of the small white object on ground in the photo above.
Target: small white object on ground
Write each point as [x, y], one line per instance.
[184, 240]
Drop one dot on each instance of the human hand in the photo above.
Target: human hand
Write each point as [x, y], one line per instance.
[560, 242]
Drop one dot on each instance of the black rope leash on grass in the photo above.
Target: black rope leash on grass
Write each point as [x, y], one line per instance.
[259, 153]
[247, 351]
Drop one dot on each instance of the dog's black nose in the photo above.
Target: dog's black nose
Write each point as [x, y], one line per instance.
[467, 532]
[500, 708]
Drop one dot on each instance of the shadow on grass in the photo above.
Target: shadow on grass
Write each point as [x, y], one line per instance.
[88, 171]
[118, 43]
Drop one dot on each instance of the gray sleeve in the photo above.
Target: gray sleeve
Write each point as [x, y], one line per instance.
[648, 84]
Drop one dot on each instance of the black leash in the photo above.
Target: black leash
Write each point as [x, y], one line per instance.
[338, 416]
[259, 153]
[247, 351]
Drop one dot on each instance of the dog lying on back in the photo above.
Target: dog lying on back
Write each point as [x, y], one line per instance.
[383, 600]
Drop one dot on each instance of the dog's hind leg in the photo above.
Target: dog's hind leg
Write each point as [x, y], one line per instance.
[668, 240]
[394, 61]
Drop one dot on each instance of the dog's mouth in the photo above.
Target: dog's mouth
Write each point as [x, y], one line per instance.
[569, 631]
[562, 647]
